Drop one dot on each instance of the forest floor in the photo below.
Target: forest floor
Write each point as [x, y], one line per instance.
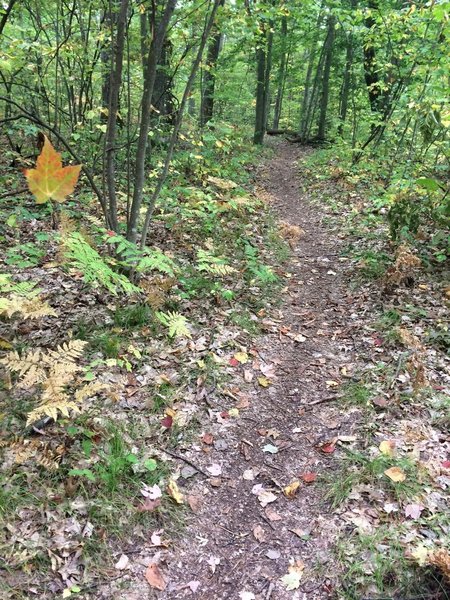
[295, 447]
[271, 517]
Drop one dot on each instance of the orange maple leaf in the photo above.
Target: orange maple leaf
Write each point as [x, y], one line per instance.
[50, 180]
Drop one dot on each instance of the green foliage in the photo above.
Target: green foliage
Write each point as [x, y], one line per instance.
[176, 323]
[141, 261]
[95, 270]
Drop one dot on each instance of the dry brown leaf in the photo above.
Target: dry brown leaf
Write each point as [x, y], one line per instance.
[395, 474]
[154, 577]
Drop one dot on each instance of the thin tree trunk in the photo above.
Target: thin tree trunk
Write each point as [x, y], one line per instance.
[6, 13]
[149, 83]
[258, 136]
[113, 109]
[343, 104]
[326, 77]
[179, 120]
[307, 96]
[268, 70]
[370, 68]
[209, 77]
[281, 74]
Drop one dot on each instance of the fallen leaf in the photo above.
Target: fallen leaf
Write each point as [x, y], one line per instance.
[215, 469]
[233, 412]
[193, 586]
[309, 477]
[213, 562]
[273, 554]
[259, 533]
[241, 357]
[248, 376]
[195, 502]
[291, 580]
[264, 382]
[149, 505]
[291, 489]
[208, 438]
[270, 448]
[387, 447]
[248, 475]
[395, 474]
[413, 510]
[167, 421]
[233, 362]
[152, 492]
[174, 492]
[446, 464]
[122, 563]
[154, 577]
[328, 448]
[265, 497]
[420, 554]
[272, 514]
[246, 596]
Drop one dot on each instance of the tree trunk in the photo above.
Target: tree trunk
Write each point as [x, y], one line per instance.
[209, 77]
[115, 83]
[307, 94]
[258, 136]
[326, 77]
[371, 75]
[343, 104]
[281, 74]
[149, 83]
[5, 15]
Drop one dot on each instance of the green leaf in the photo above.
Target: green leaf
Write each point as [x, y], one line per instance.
[429, 184]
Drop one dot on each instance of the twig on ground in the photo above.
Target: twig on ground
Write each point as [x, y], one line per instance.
[187, 461]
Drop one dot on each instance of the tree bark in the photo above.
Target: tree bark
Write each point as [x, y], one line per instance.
[209, 77]
[326, 77]
[113, 109]
[281, 74]
[149, 83]
[5, 16]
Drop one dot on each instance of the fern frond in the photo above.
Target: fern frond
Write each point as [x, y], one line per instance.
[62, 404]
[216, 265]
[89, 390]
[30, 308]
[95, 270]
[155, 260]
[176, 323]
[22, 364]
[66, 353]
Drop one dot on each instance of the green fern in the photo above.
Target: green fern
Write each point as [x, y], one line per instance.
[216, 265]
[176, 323]
[95, 270]
[142, 260]
[26, 289]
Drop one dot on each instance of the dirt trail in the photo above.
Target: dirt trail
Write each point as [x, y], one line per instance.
[219, 555]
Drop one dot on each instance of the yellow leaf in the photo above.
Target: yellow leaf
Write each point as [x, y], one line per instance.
[241, 357]
[395, 474]
[291, 489]
[174, 492]
[420, 554]
[50, 180]
[170, 412]
[233, 412]
[264, 382]
[387, 447]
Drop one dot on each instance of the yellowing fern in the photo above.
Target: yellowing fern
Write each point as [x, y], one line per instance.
[216, 265]
[54, 371]
[31, 307]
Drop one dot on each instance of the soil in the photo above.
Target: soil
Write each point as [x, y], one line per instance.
[233, 547]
